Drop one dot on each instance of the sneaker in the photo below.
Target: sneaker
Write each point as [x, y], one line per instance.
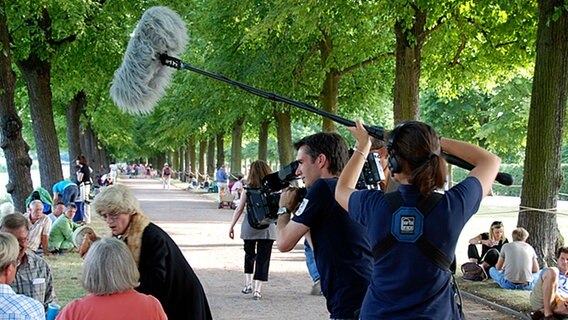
[316, 288]
[256, 295]
[247, 290]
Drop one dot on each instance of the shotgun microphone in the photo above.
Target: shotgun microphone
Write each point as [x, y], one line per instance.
[148, 66]
[142, 79]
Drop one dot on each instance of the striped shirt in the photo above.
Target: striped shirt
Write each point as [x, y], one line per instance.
[18, 307]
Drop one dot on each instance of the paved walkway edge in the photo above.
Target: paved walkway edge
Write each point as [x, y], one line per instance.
[515, 313]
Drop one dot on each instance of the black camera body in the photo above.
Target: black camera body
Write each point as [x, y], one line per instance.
[371, 174]
[263, 203]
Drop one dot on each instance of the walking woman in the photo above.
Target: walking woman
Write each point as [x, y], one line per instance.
[407, 281]
[258, 242]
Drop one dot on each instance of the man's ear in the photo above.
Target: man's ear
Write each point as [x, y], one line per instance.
[321, 160]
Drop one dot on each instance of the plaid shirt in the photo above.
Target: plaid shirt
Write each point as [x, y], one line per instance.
[40, 228]
[16, 306]
[34, 279]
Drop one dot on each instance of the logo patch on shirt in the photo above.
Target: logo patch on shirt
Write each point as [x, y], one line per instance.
[407, 224]
[302, 207]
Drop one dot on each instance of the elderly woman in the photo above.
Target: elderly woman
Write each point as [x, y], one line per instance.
[164, 272]
[110, 276]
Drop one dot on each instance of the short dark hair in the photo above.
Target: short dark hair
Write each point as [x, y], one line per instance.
[561, 250]
[329, 144]
[70, 205]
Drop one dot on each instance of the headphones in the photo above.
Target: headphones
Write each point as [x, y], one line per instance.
[394, 161]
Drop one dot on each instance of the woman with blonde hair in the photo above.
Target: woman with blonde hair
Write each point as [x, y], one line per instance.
[257, 242]
[491, 243]
[164, 271]
[110, 276]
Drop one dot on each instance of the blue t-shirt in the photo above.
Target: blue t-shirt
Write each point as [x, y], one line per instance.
[341, 249]
[221, 176]
[405, 283]
[60, 186]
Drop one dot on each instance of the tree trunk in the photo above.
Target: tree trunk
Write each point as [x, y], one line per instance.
[236, 145]
[211, 154]
[542, 174]
[263, 141]
[89, 146]
[15, 148]
[220, 151]
[407, 78]
[284, 135]
[192, 158]
[73, 112]
[37, 74]
[330, 90]
[202, 149]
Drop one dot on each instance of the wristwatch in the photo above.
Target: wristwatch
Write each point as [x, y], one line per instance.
[283, 210]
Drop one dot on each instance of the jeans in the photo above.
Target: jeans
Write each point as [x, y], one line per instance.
[499, 277]
[311, 262]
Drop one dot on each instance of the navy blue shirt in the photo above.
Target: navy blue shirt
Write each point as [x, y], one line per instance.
[341, 249]
[405, 283]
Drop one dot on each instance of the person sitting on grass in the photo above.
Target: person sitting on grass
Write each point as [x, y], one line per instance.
[33, 275]
[549, 296]
[12, 305]
[517, 265]
[110, 276]
[61, 234]
[491, 244]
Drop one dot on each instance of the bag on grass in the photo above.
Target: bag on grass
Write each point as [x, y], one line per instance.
[473, 272]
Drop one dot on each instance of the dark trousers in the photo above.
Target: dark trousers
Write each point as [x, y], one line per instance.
[491, 256]
[258, 252]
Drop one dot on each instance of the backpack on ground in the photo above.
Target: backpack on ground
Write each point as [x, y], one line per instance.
[473, 272]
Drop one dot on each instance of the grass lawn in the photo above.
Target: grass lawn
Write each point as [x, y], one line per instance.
[489, 290]
[67, 269]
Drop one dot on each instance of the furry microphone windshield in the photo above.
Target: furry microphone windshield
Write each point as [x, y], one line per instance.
[142, 78]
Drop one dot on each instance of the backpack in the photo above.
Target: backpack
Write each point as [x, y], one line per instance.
[262, 208]
[473, 272]
[167, 171]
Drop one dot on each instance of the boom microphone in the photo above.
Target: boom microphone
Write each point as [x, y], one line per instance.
[147, 68]
[142, 79]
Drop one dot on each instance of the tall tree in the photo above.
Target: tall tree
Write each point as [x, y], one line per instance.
[74, 110]
[11, 140]
[542, 174]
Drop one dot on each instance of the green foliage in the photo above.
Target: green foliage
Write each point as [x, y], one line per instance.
[516, 171]
[496, 121]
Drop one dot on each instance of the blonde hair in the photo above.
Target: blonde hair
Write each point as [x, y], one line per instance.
[117, 199]
[520, 234]
[109, 268]
[497, 225]
[9, 250]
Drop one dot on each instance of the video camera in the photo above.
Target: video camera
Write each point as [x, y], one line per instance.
[263, 203]
[372, 173]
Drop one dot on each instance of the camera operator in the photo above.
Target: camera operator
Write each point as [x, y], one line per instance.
[341, 247]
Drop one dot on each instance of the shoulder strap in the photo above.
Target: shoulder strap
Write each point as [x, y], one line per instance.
[424, 205]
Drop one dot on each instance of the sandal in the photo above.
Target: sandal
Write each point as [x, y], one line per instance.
[256, 295]
[247, 290]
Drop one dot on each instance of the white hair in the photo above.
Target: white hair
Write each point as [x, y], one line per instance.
[6, 208]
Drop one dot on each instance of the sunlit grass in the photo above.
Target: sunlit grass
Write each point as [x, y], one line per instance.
[67, 269]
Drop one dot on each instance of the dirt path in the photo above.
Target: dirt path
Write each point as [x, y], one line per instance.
[201, 231]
